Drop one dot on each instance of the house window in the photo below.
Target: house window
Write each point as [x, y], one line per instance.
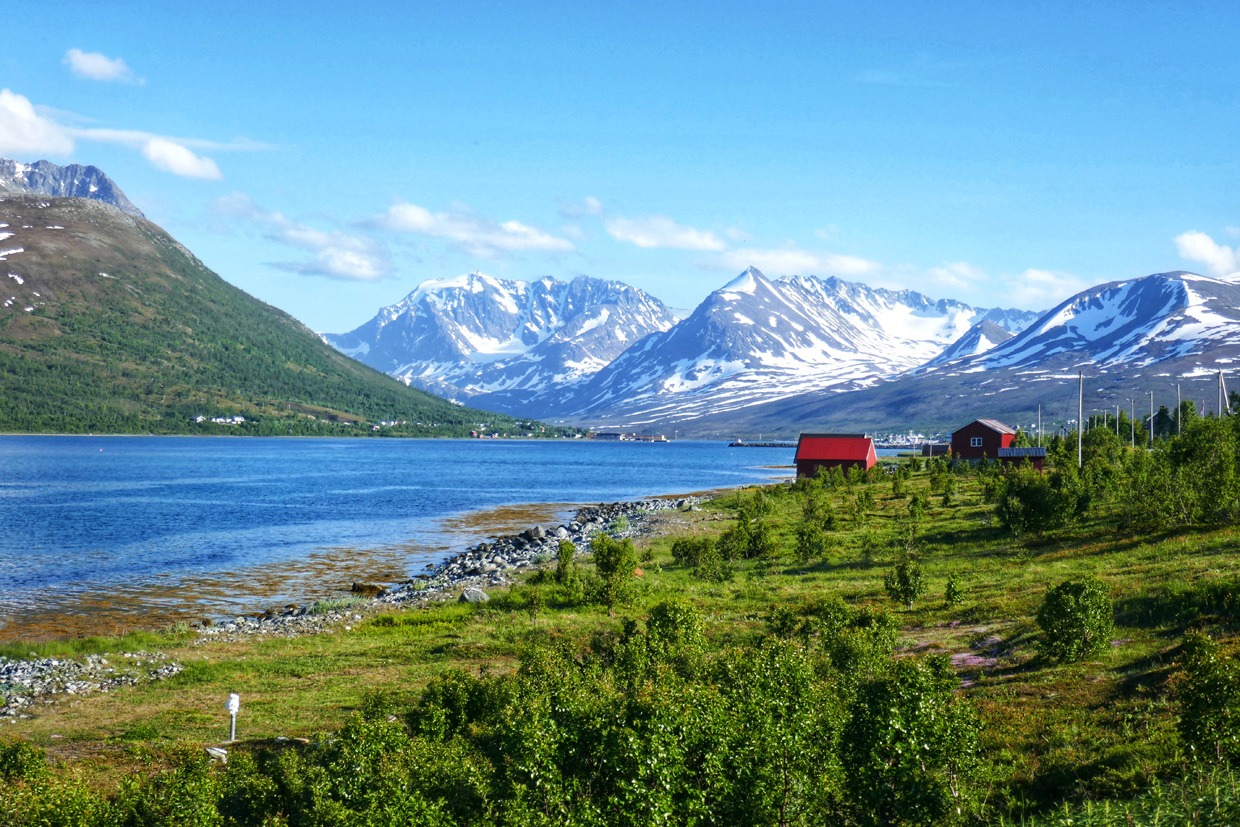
[975, 442]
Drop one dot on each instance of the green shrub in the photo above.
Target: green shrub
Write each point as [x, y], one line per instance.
[953, 594]
[905, 582]
[1029, 501]
[616, 561]
[811, 543]
[20, 761]
[1076, 619]
[910, 746]
[1209, 698]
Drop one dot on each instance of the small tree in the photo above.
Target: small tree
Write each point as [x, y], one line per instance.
[811, 543]
[1028, 501]
[953, 594]
[910, 746]
[905, 582]
[733, 544]
[917, 506]
[565, 567]
[1209, 696]
[616, 561]
[1076, 619]
[762, 544]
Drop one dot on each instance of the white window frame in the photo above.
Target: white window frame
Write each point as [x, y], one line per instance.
[975, 442]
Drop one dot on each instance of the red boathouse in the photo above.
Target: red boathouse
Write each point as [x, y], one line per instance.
[845, 451]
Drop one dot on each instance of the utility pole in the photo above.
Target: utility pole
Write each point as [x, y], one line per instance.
[1132, 422]
[1039, 424]
[1117, 419]
[1177, 409]
[1151, 418]
[1080, 416]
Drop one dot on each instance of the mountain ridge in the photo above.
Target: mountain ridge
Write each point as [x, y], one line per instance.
[108, 325]
[69, 181]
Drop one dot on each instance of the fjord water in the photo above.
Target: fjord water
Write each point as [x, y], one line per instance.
[98, 534]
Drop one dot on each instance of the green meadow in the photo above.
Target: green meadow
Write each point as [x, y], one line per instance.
[923, 644]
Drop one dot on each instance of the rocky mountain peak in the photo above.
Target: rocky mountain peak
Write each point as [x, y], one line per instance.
[71, 181]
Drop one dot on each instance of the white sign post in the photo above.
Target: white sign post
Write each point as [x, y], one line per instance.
[234, 706]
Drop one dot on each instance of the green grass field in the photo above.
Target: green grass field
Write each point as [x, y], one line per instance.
[1089, 742]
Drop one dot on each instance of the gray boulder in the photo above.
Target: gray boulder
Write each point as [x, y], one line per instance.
[474, 595]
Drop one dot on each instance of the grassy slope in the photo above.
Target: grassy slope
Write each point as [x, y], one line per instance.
[162, 339]
[1052, 733]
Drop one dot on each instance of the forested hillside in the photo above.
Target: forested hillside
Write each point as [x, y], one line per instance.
[109, 325]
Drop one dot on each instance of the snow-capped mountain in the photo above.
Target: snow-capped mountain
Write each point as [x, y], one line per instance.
[72, 181]
[1178, 319]
[1165, 334]
[500, 341]
[756, 340]
[978, 339]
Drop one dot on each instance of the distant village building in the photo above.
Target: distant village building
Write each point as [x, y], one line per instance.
[816, 451]
[981, 438]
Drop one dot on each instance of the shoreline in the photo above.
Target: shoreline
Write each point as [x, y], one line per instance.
[494, 564]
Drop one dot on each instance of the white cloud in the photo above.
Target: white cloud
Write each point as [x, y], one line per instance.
[179, 160]
[1219, 259]
[336, 254]
[1038, 289]
[138, 138]
[662, 232]
[787, 261]
[474, 234]
[96, 66]
[956, 275]
[587, 206]
[25, 132]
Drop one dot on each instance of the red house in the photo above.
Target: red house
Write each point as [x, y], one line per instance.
[981, 438]
[845, 451]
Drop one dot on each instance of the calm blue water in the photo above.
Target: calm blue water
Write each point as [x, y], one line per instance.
[102, 529]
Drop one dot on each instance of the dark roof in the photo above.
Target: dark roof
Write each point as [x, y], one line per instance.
[1032, 453]
[992, 424]
[834, 447]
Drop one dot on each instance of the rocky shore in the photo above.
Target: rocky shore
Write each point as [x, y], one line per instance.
[487, 565]
[25, 684]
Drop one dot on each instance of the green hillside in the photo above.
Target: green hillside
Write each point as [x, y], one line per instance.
[108, 325]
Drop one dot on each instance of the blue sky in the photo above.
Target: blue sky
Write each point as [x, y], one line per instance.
[328, 157]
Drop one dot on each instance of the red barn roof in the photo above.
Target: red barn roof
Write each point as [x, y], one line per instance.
[856, 447]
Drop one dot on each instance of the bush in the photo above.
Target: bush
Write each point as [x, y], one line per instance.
[704, 556]
[1028, 501]
[811, 543]
[905, 582]
[20, 761]
[953, 594]
[910, 746]
[1209, 696]
[1076, 619]
[616, 561]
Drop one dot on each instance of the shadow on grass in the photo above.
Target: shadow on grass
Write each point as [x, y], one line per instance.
[1176, 607]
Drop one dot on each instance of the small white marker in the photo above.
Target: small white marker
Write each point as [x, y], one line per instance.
[234, 706]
